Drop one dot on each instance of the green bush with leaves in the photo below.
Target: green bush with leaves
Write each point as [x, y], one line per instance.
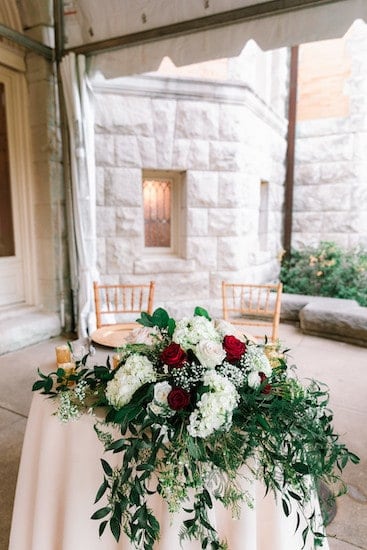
[327, 270]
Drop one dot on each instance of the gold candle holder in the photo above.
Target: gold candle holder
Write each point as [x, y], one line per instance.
[63, 354]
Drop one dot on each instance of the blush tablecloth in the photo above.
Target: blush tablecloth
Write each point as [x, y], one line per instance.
[60, 472]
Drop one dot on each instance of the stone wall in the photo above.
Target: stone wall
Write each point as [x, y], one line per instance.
[330, 195]
[226, 140]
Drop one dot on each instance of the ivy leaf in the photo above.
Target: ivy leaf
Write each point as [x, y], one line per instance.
[201, 312]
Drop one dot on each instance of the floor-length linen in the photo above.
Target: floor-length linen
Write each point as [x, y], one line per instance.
[60, 472]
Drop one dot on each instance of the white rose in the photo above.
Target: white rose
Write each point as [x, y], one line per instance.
[210, 354]
[254, 379]
[159, 405]
[161, 391]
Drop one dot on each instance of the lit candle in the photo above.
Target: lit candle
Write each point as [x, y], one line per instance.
[63, 354]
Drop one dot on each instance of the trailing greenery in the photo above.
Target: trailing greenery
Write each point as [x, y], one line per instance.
[327, 270]
[192, 431]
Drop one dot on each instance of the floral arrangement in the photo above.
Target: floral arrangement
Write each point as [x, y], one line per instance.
[193, 407]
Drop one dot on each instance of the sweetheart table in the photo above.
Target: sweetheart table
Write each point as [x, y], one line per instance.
[60, 472]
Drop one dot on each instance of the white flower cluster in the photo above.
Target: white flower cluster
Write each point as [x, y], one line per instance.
[256, 361]
[67, 410]
[215, 408]
[190, 331]
[136, 371]
[159, 405]
[232, 373]
[188, 375]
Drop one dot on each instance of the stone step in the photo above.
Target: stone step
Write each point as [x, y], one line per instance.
[26, 325]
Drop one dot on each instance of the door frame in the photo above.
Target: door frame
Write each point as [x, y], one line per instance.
[12, 73]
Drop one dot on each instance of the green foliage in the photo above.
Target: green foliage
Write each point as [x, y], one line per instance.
[327, 270]
[283, 437]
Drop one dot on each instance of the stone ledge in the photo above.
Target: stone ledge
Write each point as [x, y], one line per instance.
[333, 318]
[26, 326]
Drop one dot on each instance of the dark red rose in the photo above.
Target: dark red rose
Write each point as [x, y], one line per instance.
[178, 399]
[267, 387]
[234, 348]
[173, 355]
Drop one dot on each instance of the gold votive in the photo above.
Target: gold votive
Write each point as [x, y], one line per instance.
[63, 354]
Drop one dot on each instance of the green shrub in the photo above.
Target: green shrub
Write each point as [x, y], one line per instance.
[327, 270]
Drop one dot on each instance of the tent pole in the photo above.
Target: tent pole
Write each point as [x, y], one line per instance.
[59, 52]
[26, 42]
[291, 145]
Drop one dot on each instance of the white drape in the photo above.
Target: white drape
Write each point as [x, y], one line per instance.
[82, 196]
[115, 18]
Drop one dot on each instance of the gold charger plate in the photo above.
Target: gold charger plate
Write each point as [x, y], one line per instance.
[113, 336]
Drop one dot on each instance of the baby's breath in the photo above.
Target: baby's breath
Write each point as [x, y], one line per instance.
[67, 410]
[188, 375]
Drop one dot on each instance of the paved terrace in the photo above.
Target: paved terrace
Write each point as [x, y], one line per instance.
[342, 366]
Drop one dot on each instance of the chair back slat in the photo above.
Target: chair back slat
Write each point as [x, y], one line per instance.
[112, 300]
[253, 305]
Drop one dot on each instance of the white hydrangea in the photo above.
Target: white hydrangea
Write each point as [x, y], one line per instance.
[256, 361]
[209, 353]
[215, 408]
[224, 328]
[190, 331]
[136, 371]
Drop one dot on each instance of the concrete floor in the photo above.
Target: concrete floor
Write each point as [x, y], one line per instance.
[339, 365]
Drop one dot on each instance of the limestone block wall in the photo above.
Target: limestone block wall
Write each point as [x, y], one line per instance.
[330, 195]
[225, 140]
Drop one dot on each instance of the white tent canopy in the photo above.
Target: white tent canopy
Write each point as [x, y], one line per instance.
[132, 36]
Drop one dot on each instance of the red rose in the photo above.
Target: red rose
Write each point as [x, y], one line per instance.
[178, 398]
[173, 355]
[234, 348]
[267, 387]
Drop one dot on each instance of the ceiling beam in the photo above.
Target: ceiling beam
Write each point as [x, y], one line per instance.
[26, 42]
[216, 20]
